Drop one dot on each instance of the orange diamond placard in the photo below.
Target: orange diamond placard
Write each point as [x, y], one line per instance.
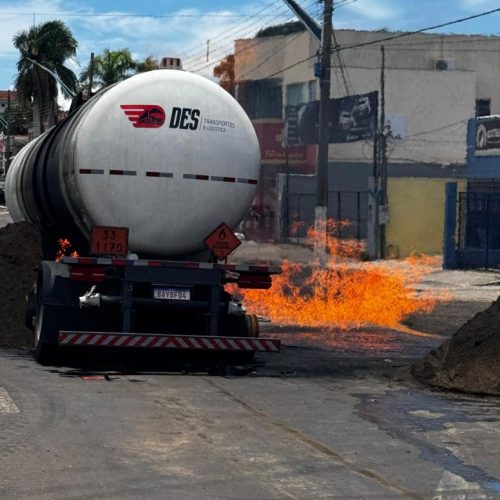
[222, 241]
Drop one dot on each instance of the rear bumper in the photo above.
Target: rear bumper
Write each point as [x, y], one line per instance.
[156, 341]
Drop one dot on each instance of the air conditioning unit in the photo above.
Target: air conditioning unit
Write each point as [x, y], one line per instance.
[444, 64]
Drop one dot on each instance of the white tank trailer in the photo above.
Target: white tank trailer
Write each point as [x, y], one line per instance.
[170, 156]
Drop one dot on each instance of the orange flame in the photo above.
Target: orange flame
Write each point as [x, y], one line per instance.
[347, 293]
[64, 247]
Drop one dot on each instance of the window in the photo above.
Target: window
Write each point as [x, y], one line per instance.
[301, 93]
[296, 93]
[483, 107]
[261, 98]
[313, 92]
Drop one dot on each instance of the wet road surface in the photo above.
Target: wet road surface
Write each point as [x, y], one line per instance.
[335, 415]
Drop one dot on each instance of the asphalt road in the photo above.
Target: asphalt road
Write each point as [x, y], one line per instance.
[335, 415]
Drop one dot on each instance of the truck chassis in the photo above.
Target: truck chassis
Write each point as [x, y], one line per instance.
[111, 302]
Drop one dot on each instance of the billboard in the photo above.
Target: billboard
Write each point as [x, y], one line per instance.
[488, 136]
[351, 118]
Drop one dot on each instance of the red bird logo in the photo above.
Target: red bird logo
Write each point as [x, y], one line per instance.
[144, 115]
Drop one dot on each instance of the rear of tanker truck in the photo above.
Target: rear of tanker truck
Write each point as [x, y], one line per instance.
[146, 180]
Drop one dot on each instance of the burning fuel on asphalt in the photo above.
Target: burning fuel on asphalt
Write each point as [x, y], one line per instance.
[347, 292]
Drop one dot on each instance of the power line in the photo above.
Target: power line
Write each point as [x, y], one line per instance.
[444, 127]
[224, 34]
[448, 39]
[196, 69]
[343, 71]
[410, 33]
[124, 14]
[205, 65]
[271, 55]
[380, 40]
[241, 30]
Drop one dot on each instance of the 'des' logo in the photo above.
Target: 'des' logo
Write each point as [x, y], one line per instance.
[144, 115]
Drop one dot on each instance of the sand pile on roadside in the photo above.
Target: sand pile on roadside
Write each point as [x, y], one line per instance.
[20, 253]
[470, 360]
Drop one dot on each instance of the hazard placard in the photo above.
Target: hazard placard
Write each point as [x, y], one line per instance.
[106, 240]
[222, 241]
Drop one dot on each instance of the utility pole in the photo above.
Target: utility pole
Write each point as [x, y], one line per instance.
[208, 50]
[324, 135]
[383, 211]
[7, 149]
[91, 74]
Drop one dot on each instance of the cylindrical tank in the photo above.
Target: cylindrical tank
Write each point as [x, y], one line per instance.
[166, 153]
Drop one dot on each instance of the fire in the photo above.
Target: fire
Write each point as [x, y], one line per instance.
[64, 249]
[347, 293]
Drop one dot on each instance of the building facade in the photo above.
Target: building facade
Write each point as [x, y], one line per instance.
[7, 96]
[433, 85]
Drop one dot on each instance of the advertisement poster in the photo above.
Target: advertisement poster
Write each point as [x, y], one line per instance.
[352, 118]
[488, 136]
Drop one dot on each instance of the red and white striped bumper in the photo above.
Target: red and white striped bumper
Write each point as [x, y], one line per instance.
[185, 342]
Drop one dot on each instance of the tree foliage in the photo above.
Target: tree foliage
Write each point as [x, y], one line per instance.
[149, 64]
[281, 29]
[113, 66]
[110, 67]
[225, 72]
[49, 44]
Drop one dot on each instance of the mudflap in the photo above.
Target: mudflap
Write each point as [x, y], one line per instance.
[56, 308]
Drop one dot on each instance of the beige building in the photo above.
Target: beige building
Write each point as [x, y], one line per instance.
[433, 85]
[4, 99]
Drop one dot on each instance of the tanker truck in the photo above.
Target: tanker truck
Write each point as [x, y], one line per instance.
[146, 179]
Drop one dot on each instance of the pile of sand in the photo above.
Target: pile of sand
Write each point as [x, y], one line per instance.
[20, 254]
[470, 360]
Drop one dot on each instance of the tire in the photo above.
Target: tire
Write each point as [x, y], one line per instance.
[248, 326]
[44, 353]
[253, 325]
[31, 308]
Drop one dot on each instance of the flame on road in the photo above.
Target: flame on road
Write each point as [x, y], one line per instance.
[347, 293]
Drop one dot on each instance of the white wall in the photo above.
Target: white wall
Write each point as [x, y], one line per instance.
[430, 108]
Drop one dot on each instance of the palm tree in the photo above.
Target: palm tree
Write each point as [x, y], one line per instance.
[110, 67]
[49, 44]
[149, 64]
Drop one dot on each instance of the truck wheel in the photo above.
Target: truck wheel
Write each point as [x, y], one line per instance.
[253, 325]
[45, 354]
[31, 308]
[248, 327]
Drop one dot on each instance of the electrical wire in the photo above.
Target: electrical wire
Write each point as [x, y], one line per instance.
[205, 65]
[429, 28]
[196, 67]
[380, 40]
[226, 34]
[124, 14]
[234, 29]
[261, 63]
[245, 29]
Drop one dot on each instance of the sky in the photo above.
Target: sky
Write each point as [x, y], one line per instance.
[182, 28]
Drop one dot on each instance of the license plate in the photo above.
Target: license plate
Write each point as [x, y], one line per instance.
[172, 293]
